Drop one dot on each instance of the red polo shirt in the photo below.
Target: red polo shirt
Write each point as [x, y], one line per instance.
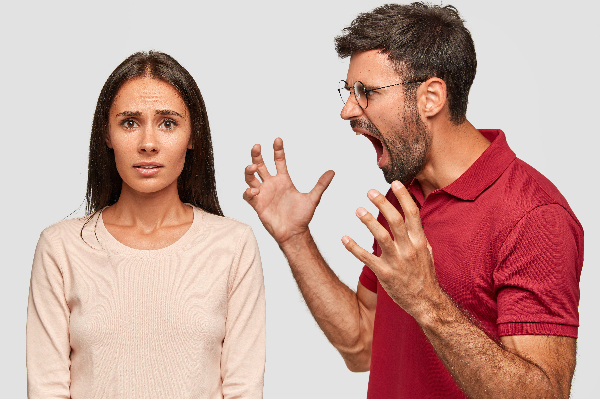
[507, 248]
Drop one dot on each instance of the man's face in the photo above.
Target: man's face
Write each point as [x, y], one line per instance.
[390, 121]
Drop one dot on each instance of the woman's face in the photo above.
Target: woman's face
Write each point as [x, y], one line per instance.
[149, 131]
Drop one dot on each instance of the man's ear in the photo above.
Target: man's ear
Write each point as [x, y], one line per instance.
[432, 97]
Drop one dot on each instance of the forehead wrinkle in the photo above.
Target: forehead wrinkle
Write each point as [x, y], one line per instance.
[152, 95]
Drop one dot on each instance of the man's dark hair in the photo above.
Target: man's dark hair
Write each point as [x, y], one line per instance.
[196, 183]
[422, 41]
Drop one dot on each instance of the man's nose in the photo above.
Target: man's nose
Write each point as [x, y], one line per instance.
[351, 108]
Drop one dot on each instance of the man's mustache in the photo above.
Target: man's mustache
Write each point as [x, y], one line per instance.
[364, 124]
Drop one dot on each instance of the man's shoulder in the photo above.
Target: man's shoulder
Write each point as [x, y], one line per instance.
[522, 189]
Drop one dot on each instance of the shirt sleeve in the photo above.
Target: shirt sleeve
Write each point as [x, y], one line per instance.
[537, 279]
[244, 346]
[48, 347]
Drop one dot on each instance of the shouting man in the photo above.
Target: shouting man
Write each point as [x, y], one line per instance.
[472, 288]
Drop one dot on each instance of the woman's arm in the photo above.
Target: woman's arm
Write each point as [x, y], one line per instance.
[244, 348]
[48, 347]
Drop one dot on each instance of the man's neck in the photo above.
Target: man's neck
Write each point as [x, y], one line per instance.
[454, 149]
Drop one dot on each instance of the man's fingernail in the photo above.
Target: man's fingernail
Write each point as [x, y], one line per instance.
[396, 185]
[360, 212]
[254, 191]
[372, 193]
[345, 240]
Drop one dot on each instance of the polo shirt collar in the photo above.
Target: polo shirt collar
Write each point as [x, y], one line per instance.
[484, 171]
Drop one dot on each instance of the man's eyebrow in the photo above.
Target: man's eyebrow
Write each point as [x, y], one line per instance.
[167, 112]
[129, 113]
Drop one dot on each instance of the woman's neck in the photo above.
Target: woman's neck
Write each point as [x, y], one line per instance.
[148, 212]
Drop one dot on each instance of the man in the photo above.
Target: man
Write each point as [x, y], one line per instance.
[496, 316]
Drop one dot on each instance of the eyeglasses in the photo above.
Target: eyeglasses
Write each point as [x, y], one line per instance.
[360, 93]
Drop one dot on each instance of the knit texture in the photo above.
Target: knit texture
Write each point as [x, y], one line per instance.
[108, 321]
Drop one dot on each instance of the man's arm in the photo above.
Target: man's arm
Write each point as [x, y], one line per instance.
[519, 366]
[345, 317]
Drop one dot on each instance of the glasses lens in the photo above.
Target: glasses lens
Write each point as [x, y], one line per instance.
[343, 90]
[361, 96]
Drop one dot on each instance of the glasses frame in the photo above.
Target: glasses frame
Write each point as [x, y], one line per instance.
[356, 97]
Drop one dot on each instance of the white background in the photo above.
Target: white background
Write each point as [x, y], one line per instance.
[268, 69]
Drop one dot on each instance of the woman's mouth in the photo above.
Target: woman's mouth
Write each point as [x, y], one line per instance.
[147, 168]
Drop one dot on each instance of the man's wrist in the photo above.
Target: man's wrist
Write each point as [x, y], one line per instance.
[296, 242]
[437, 310]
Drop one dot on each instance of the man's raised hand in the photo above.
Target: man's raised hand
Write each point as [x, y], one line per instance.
[283, 210]
[405, 268]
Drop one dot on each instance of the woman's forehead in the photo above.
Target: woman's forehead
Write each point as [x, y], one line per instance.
[145, 93]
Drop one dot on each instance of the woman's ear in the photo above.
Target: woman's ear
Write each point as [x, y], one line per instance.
[107, 140]
[190, 145]
[432, 97]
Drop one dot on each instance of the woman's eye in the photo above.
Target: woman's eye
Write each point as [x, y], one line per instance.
[169, 124]
[129, 124]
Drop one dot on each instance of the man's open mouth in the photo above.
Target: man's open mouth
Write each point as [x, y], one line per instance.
[378, 147]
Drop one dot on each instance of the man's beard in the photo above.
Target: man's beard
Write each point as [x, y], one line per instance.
[407, 146]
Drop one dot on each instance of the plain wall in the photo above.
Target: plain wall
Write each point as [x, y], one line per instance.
[268, 69]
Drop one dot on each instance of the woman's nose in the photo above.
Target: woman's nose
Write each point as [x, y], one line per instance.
[148, 141]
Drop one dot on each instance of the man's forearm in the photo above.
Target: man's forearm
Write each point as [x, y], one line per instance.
[334, 306]
[482, 367]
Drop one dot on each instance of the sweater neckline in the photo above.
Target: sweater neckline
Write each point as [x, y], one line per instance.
[111, 244]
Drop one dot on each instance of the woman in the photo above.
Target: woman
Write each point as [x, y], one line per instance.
[154, 294]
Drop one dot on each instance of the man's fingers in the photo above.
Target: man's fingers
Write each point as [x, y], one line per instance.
[412, 217]
[257, 160]
[250, 194]
[249, 176]
[364, 256]
[391, 214]
[319, 188]
[379, 232]
[279, 155]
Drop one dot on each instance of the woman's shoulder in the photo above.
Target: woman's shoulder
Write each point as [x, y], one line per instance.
[222, 222]
[68, 230]
[67, 225]
[222, 226]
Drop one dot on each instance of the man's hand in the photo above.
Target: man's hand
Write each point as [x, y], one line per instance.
[283, 210]
[405, 268]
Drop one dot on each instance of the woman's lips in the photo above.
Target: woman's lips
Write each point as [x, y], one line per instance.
[147, 168]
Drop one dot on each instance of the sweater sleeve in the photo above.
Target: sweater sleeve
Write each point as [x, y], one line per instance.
[244, 346]
[48, 347]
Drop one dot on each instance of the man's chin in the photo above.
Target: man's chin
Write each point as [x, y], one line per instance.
[391, 177]
[388, 175]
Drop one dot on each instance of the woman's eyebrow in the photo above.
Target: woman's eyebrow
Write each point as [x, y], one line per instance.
[129, 113]
[158, 112]
[167, 112]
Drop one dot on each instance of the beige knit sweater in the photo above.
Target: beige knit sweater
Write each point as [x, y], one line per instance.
[108, 321]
